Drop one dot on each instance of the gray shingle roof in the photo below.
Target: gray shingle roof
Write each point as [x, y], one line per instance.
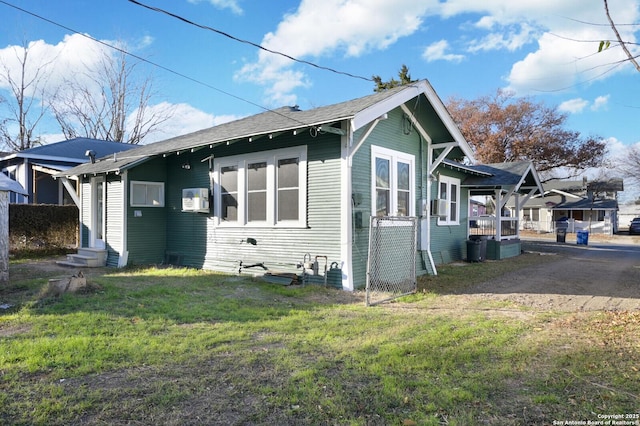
[272, 121]
[502, 174]
[587, 204]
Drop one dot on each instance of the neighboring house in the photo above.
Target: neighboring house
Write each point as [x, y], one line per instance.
[273, 189]
[477, 208]
[34, 168]
[577, 205]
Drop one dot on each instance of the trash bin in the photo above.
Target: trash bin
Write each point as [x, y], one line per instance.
[561, 235]
[477, 248]
[582, 237]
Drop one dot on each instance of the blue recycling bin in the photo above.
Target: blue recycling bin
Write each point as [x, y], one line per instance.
[582, 237]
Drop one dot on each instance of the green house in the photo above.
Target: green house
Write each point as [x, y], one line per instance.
[270, 191]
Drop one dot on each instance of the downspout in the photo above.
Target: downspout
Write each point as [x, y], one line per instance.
[428, 209]
[123, 259]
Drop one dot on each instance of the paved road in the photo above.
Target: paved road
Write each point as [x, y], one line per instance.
[599, 276]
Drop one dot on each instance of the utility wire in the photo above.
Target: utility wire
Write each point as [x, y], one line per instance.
[140, 58]
[275, 52]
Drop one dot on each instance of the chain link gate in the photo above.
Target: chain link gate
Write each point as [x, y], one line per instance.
[391, 266]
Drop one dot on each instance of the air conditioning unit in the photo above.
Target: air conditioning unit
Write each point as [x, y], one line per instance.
[195, 200]
[439, 208]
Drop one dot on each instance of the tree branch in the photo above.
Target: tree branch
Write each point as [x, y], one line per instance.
[622, 43]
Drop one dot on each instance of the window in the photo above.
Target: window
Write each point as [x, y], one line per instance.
[262, 189]
[535, 215]
[449, 189]
[288, 184]
[229, 192]
[257, 192]
[393, 182]
[147, 194]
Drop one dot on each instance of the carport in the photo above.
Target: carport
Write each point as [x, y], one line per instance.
[501, 182]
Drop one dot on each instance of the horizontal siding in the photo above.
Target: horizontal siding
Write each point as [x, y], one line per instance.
[199, 242]
[391, 134]
[114, 217]
[448, 242]
[146, 234]
[281, 248]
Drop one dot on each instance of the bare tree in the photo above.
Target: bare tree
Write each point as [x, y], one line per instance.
[630, 164]
[25, 108]
[108, 102]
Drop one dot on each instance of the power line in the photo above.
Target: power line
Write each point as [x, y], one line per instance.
[140, 58]
[275, 52]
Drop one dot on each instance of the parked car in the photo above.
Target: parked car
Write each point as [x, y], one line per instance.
[634, 226]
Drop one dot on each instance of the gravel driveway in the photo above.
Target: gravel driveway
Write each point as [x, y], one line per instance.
[599, 276]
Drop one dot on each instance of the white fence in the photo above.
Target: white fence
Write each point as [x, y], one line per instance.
[572, 225]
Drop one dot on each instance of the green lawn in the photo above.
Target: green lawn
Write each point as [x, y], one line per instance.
[178, 346]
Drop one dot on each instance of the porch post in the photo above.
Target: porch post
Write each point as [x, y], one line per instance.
[4, 237]
[518, 210]
[498, 217]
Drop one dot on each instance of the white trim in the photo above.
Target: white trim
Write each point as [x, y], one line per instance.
[394, 157]
[160, 185]
[94, 241]
[271, 158]
[449, 181]
[346, 209]
[123, 259]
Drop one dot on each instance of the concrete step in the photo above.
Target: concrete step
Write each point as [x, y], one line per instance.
[86, 258]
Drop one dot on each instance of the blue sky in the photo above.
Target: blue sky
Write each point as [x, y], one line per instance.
[465, 48]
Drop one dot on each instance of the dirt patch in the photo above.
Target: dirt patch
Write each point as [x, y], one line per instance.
[598, 277]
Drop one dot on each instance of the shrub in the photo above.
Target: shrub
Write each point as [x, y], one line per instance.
[42, 227]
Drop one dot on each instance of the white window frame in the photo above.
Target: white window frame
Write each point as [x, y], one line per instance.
[147, 184]
[394, 158]
[271, 158]
[449, 181]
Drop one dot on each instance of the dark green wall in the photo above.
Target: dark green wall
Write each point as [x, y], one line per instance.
[147, 237]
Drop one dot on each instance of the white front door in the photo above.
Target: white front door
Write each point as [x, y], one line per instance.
[98, 207]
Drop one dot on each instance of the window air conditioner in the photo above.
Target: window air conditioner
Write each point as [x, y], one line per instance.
[195, 200]
[439, 207]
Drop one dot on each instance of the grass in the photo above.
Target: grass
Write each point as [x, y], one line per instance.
[178, 346]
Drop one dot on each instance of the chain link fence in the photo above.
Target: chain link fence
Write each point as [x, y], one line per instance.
[391, 266]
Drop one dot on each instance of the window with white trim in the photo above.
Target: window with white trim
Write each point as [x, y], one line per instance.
[262, 189]
[449, 189]
[147, 194]
[393, 177]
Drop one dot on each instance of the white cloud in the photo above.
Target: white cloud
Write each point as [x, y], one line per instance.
[330, 27]
[600, 103]
[578, 105]
[438, 52]
[567, 56]
[183, 119]
[511, 38]
[76, 52]
[232, 5]
[573, 105]
[560, 58]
